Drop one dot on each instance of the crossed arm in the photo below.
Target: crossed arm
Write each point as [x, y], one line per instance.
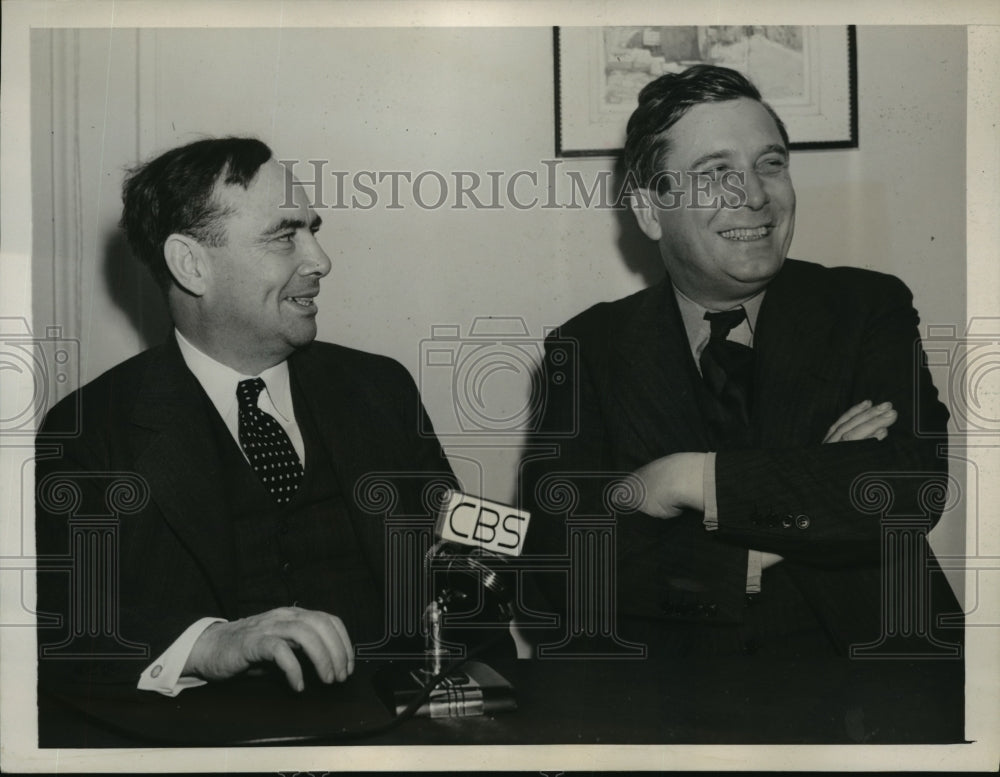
[673, 483]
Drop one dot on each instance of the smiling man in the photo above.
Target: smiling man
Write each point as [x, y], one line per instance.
[247, 437]
[750, 396]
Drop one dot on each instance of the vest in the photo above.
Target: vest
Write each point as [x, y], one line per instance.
[304, 553]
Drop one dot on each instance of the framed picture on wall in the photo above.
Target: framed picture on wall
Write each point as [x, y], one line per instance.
[807, 74]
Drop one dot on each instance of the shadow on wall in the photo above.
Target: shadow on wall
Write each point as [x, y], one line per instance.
[640, 254]
[132, 288]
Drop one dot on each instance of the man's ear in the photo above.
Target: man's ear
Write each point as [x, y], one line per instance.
[185, 259]
[642, 203]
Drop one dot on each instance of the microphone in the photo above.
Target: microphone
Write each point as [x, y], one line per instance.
[475, 537]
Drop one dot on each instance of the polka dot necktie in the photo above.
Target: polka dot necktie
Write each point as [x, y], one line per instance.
[266, 444]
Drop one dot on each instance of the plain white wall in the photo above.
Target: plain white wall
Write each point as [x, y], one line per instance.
[450, 100]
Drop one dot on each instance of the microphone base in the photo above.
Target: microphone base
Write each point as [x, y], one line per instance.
[472, 690]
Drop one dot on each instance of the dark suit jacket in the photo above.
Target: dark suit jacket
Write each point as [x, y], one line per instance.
[826, 339]
[146, 422]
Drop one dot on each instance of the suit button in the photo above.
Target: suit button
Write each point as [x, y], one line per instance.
[787, 521]
[286, 567]
[802, 521]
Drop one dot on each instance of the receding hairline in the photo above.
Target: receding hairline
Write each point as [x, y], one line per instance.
[225, 210]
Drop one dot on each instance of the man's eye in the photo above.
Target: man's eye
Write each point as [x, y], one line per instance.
[288, 237]
[774, 165]
[713, 173]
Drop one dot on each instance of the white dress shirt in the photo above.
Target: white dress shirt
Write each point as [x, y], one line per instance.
[219, 382]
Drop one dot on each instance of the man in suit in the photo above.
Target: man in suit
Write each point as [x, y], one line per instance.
[248, 538]
[750, 402]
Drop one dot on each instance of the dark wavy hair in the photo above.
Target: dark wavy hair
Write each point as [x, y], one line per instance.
[173, 194]
[663, 102]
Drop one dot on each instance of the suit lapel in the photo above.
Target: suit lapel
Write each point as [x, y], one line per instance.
[337, 409]
[177, 458]
[653, 377]
[333, 411]
[654, 380]
[794, 363]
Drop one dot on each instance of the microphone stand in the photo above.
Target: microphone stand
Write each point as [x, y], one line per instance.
[474, 688]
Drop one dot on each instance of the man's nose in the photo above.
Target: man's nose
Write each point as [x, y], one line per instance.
[756, 195]
[315, 261]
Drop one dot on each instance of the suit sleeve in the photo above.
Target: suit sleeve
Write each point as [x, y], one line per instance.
[426, 453]
[94, 628]
[822, 504]
[565, 463]
[559, 477]
[578, 467]
[403, 431]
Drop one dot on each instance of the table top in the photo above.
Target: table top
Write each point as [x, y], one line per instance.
[733, 700]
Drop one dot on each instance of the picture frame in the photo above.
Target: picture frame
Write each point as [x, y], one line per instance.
[808, 74]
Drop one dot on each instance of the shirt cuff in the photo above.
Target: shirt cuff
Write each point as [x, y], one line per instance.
[164, 674]
[754, 569]
[711, 522]
[711, 515]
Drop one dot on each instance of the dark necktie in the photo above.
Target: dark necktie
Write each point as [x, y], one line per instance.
[266, 444]
[727, 369]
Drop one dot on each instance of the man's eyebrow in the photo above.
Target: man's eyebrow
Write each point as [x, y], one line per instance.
[775, 148]
[287, 223]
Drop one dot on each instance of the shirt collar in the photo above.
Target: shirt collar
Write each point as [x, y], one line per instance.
[220, 381]
[693, 315]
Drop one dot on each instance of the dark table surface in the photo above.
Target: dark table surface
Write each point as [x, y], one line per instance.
[744, 700]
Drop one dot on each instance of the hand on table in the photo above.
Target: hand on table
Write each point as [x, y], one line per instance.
[227, 649]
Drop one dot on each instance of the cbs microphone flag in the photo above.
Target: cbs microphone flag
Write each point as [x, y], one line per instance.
[493, 526]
